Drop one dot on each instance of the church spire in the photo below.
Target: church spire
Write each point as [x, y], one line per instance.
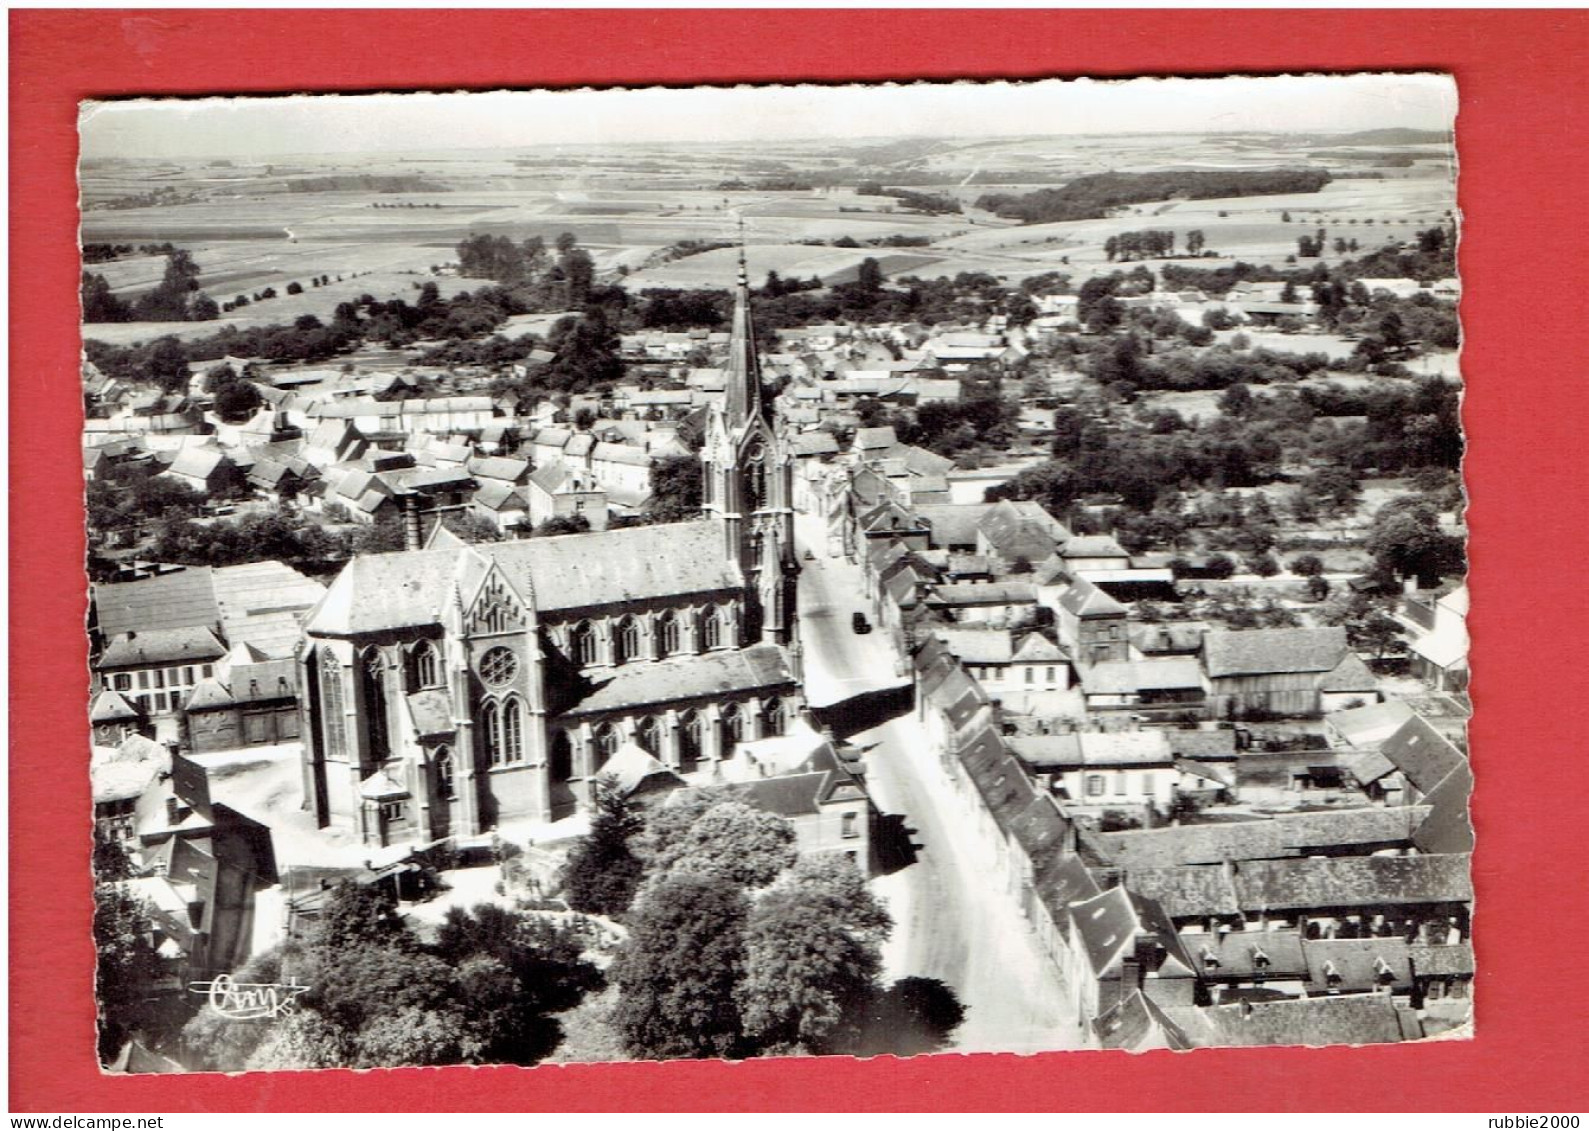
[743, 378]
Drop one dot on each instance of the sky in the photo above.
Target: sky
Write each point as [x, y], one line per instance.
[268, 127]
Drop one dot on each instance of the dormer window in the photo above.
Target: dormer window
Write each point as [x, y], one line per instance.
[1332, 976]
[1210, 960]
[1260, 960]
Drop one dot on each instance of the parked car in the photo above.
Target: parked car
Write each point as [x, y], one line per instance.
[810, 557]
[860, 624]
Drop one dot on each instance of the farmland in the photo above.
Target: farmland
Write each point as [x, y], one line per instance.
[383, 224]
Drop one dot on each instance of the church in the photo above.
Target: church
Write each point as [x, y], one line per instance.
[449, 688]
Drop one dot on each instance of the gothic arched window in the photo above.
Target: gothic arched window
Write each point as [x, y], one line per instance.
[491, 730]
[606, 743]
[333, 711]
[712, 626]
[733, 725]
[446, 775]
[372, 672]
[583, 647]
[648, 733]
[427, 666]
[756, 478]
[690, 734]
[626, 641]
[560, 756]
[512, 731]
[668, 632]
[772, 718]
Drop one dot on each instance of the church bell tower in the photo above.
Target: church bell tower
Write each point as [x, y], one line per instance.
[750, 481]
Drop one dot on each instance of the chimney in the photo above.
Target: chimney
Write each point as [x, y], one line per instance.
[173, 810]
[411, 538]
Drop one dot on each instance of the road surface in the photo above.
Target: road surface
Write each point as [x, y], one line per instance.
[951, 921]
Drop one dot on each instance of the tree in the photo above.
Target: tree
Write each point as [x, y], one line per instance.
[100, 304]
[1264, 565]
[677, 972]
[1219, 566]
[168, 365]
[718, 836]
[168, 302]
[1406, 541]
[1195, 241]
[128, 966]
[869, 276]
[1237, 400]
[295, 288]
[562, 524]
[675, 489]
[913, 1016]
[1307, 565]
[1318, 587]
[1335, 488]
[586, 354]
[471, 527]
[812, 957]
[602, 872]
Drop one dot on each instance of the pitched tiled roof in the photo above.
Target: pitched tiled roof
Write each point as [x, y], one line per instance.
[1204, 745]
[1448, 827]
[1268, 651]
[1357, 963]
[1128, 677]
[1351, 674]
[209, 694]
[1349, 1019]
[1196, 892]
[1422, 753]
[616, 566]
[1441, 961]
[181, 599]
[791, 795]
[109, 706]
[1241, 954]
[1136, 1024]
[953, 524]
[1037, 648]
[977, 645]
[1084, 599]
[162, 646]
[759, 668]
[1377, 721]
[263, 604]
[1288, 835]
[996, 593]
[497, 495]
[1354, 881]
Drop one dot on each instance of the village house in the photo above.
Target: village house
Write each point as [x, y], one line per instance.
[802, 777]
[1093, 772]
[1284, 671]
[157, 641]
[555, 491]
[202, 864]
[1169, 685]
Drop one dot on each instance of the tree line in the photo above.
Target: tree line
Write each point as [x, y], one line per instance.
[1091, 197]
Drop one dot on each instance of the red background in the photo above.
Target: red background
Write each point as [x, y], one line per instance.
[1523, 167]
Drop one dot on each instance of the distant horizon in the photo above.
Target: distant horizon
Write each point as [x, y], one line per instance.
[434, 153]
[265, 128]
